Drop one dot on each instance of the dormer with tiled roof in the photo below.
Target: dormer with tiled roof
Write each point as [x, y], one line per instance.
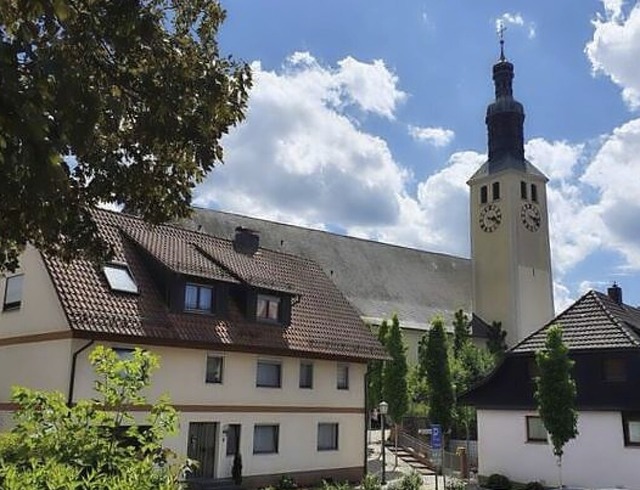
[267, 301]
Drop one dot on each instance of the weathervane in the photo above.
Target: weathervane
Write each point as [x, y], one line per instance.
[501, 29]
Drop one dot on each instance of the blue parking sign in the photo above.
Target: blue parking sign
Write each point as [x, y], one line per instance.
[436, 436]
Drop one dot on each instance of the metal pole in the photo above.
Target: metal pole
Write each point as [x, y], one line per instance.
[384, 462]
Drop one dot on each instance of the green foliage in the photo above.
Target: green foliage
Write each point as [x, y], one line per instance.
[434, 360]
[410, 481]
[556, 392]
[418, 391]
[330, 485]
[496, 339]
[55, 446]
[374, 392]
[497, 481]
[371, 482]
[460, 331]
[534, 485]
[104, 101]
[395, 374]
[286, 482]
[455, 484]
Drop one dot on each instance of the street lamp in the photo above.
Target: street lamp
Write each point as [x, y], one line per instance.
[384, 408]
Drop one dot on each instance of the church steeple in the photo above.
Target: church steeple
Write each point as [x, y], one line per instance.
[505, 120]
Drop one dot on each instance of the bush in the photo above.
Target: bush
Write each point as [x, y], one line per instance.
[330, 485]
[534, 485]
[286, 482]
[498, 482]
[371, 482]
[412, 481]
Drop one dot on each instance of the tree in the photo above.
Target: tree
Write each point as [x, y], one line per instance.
[496, 340]
[555, 392]
[395, 374]
[435, 360]
[374, 392]
[460, 331]
[107, 102]
[86, 446]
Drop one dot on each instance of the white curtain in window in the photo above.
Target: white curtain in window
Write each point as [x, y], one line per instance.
[343, 376]
[261, 311]
[191, 297]
[265, 439]
[205, 299]
[327, 436]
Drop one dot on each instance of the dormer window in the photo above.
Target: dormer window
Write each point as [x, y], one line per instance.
[120, 278]
[268, 308]
[198, 298]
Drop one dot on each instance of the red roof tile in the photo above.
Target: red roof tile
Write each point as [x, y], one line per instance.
[322, 323]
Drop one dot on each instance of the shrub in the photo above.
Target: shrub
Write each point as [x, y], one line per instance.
[412, 481]
[534, 485]
[330, 485]
[454, 484]
[371, 482]
[286, 482]
[498, 482]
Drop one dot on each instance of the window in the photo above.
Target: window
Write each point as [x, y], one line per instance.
[269, 374]
[13, 293]
[214, 369]
[631, 428]
[233, 439]
[523, 190]
[343, 377]
[483, 195]
[535, 429]
[198, 298]
[120, 278]
[532, 368]
[306, 374]
[613, 370]
[534, 193]
[124, 353]
[268, 308]
[265, 439]
[496, 191]
[327, 437]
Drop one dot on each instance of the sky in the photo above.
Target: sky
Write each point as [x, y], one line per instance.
[367, 118]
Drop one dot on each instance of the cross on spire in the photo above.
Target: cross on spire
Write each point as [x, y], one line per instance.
[501, 29]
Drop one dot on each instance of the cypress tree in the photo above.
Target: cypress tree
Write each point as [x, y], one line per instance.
[395, 374]
[374, 392]
[436, 365]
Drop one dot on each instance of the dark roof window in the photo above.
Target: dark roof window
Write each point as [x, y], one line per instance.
[198, 298]
[120, 278]
[13, 292]
[268, 308]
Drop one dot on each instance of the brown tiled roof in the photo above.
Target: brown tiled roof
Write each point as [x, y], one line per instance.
[594, 321]
[322, 323]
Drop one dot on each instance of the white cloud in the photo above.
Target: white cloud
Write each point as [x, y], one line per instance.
[556, 159]
[615, 48]
[437, 137]
[516, 19]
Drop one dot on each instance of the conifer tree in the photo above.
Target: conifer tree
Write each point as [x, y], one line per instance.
[436, 365]
[395, 374]
[374, 392]
[460, 331]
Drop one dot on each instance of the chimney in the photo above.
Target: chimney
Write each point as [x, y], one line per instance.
[246, 241]
[615, 293]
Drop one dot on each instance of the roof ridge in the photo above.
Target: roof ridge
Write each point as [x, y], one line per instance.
[615, 319]
[336, 234]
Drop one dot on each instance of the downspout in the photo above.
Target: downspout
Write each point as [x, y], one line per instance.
[74, 360]
[366, 421]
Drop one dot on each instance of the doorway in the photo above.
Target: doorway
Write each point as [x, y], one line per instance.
[202, 448]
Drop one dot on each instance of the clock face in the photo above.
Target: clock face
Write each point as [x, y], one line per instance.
[490, 218]
[530, 216]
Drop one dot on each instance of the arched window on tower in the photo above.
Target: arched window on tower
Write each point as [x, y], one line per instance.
[483, 195]
[523, 190]
[534, 193]
[496, 191]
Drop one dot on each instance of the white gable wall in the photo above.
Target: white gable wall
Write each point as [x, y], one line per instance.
[597, 458]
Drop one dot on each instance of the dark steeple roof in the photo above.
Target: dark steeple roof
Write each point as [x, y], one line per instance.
[505, 119]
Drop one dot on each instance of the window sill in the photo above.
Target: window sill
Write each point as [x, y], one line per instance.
[265, 453]
[268, 386]
[12, 307]
[536, 441]
[327, 450]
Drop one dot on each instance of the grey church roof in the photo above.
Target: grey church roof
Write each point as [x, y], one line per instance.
[505, 163]
[378, 279]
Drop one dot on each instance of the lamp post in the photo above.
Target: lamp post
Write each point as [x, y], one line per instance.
[384, 408]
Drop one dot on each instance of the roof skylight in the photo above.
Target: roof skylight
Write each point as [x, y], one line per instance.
[120, 279]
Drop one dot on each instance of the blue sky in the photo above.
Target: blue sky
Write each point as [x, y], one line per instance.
[367, 118]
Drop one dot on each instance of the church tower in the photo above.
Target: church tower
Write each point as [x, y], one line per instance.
[511, 264]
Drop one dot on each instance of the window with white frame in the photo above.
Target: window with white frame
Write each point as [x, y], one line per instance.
[536, 431]
[327, 437]
[198, 298]
[631, 428]
[342, 382]
[268, 308]
[124, 353]
[120, 278]
[265, 438]
[306, 374]
[214, 369]
[269, 374]
[13, 292]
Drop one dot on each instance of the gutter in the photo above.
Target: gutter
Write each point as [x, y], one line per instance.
[72, 377]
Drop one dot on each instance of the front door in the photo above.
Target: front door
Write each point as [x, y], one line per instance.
[202, 447]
